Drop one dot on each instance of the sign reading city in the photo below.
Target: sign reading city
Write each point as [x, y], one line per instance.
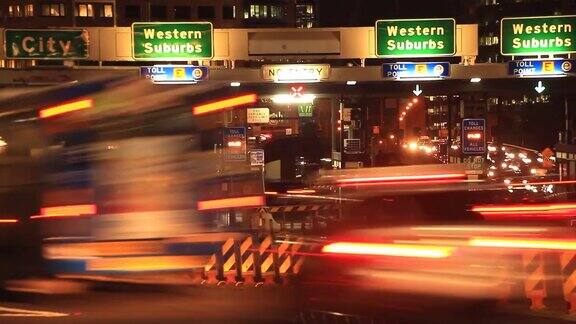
[234, 140]
[172, 41]
[415, 71]
[546, 67]
[288, 73]
[538, 35]
[46, 44]
[473, 136]
[415, 37]
[174, 74]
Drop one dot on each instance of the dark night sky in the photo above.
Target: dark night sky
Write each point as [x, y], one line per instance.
[366, 12]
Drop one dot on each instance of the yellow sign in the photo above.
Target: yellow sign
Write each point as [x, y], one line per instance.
[296, 72]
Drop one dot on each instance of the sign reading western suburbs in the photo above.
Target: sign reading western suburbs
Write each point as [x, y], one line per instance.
[296, 72]
[542, 67]
[424, 70]
[538, 35]
[416, 37]
[172, 41]
[169, 74]
[46, 44]
[474, 136]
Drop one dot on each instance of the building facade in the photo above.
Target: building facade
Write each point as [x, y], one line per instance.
[104, 13]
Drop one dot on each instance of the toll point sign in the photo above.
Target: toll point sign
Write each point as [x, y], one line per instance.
[547, 67]
[474, 136]
[174, 74]
[46, 44]
[538, 35]
[415, 37]
[423, 70]
[172, 41]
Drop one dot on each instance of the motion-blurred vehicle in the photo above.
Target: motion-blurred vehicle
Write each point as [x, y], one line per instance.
[130, 181]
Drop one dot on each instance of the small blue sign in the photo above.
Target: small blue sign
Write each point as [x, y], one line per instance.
[170, 74]
[540, 67]
[474, 136]
[416, 70]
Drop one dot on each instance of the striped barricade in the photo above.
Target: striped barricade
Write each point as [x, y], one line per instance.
[251, 261]
[535, 281]
[568, 270]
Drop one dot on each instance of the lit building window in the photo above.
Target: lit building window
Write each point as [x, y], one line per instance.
[305, 16]
[54, 10]
[29, 10]
[84, 10]
[14, 11]
[264, 12]
[107, 11]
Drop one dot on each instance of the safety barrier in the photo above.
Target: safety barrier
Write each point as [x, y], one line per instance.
[544, 280]
[250, 260]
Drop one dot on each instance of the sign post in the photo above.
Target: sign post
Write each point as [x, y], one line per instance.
[538, 35]
[415, 37]
[46, 44]
[172, 41]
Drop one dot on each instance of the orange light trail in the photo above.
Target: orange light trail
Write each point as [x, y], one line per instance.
[533, 211]
[66, 211]
[399, 250]
[66, 108]
[403, 179]
[224, 104]
[301, 191]
[545, 244]
[8, 220]
[249, 201]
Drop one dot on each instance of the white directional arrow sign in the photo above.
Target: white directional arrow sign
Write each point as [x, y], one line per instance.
[417, 91]
[540, 88]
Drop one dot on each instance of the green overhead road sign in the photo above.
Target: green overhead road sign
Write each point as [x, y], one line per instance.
[415, 37]
[46, 44]
[172, 41]
[538, 35]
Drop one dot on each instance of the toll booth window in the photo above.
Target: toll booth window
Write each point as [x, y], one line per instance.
[84, 10]
[53, 10]
[229, 12]
[132, 11]
[158, 12]
[107, 11]
[29, 10]
[14, 11]
[182, 12]
[206, 12]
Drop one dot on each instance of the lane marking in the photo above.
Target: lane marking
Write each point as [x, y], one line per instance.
[20, 312]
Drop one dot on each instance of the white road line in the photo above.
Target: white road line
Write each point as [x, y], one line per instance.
[20, 312]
